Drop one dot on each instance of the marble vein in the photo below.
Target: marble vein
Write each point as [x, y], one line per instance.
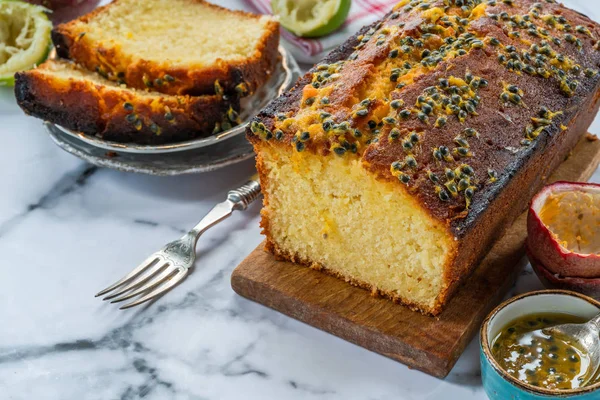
[66, 185]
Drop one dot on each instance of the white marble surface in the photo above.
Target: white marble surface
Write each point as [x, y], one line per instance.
[68, 229]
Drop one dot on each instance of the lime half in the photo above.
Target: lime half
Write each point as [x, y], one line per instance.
[311, 18]
[24, 38]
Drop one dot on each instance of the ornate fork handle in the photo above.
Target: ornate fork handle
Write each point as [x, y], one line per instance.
[237, 200]
[245, 195]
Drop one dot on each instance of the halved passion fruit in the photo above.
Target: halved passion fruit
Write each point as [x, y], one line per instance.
[588, 286]
[563, 229]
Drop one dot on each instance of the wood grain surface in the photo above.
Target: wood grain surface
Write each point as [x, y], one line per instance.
[429, 344]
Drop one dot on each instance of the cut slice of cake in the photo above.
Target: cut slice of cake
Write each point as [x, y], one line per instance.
[173, 46]
[397, 161]
[75, 98]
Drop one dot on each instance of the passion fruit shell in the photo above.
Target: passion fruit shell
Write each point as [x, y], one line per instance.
[587, 286]
[563, 227]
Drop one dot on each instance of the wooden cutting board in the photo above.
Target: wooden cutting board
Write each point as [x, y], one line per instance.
[429, 344]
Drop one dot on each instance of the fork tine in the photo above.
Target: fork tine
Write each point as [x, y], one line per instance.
[156, 280]
[138, 270]
[159, 290]
[139, 280]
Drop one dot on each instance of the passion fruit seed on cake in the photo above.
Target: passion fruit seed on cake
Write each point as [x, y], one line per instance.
[398, 160]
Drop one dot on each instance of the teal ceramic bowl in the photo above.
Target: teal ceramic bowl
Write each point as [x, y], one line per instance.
[497, 383]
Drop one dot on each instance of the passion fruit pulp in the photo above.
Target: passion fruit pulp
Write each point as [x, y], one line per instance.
[563, 227]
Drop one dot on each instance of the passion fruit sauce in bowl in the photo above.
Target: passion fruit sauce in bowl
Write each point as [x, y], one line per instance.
[519, 316]
[528, 353]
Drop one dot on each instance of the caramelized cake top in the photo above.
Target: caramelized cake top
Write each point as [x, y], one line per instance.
[447, 97]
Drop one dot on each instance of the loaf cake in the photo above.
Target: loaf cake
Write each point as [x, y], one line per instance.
[173, 46]
[399, 159]
[75, 98]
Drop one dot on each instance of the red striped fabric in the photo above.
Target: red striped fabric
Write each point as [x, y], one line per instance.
[362, 12]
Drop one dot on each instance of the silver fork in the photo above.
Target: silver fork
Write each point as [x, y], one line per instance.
[169, 266]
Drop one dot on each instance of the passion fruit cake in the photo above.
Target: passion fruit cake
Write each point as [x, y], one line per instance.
[398, 160]
[173, 46]
[83, 101]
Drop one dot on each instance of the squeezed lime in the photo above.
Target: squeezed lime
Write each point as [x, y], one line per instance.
[24, 38]
[311, 18]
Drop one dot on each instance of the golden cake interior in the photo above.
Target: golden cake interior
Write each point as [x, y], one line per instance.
[139, 27]
[359, 228]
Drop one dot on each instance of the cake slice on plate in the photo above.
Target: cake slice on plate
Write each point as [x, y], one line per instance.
[75, 98]
[173, 46]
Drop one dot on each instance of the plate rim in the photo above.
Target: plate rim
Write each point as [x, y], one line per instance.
[78, 149]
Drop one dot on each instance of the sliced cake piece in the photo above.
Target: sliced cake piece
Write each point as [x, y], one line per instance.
[75, 98]
[173, 46]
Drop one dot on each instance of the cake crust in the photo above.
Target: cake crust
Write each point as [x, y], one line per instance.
[240, 77]
[524, 122]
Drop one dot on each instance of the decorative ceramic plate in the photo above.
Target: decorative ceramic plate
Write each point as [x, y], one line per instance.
[193, 156]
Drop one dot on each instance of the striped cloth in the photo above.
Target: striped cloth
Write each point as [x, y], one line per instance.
[362, 12]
